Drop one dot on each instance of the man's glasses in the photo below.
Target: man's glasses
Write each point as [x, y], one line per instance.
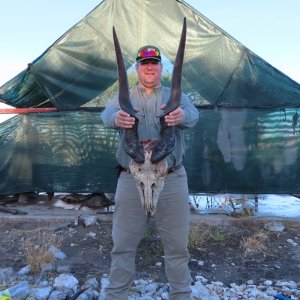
[148, 53]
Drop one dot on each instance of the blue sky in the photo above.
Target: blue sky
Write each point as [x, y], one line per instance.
[270, 28]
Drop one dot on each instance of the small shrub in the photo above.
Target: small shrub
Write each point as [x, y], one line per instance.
[198, 236]
[36, 249]
[218, 236]
[151, 245]
[255, 243]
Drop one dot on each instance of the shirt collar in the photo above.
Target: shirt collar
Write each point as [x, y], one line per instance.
[154, 90]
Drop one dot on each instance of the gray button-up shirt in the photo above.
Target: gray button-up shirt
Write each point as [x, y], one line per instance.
[149, 125]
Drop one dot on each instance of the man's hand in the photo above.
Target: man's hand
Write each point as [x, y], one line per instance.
[124, 120]
[174, 117]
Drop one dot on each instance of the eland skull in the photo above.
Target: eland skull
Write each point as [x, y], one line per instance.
[149, 177]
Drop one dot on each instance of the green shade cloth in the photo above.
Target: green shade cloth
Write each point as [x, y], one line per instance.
[247, 139]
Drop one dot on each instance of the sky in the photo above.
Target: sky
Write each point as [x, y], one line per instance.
[269, 28]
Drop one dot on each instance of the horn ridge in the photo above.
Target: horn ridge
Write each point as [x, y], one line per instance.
[166, 143]
[175, 92]
[131, 145]
[124, 97]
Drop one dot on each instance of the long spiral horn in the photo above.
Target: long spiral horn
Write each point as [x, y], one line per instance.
[166, 143]
[132, 145]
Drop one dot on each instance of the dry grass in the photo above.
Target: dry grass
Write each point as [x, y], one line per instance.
[258, 242]
[36, 249]
[199, 235]
[293, 227]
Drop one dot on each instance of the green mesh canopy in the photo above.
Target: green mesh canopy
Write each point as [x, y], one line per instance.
[247, 137]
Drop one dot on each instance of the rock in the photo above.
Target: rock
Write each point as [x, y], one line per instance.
[292, 242]
[41, 293]
[88, 220]
[151, 288]
[268, 282]
[66, 283]
[91, 283]
[200, 263]
[24, 271]
[57, 253]
[199, 291]
[274, 226]
[88, 295]
[57, 295]
[201, 279]
[289, 284]
[91, 234]
[104, 285]
[44, 283]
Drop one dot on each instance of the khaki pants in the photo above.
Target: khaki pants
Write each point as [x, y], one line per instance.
[172, 223]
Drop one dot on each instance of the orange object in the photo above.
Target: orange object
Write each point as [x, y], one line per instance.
[26, 110]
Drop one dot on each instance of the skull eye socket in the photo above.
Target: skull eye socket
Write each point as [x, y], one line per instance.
[153, 185]
[142, 185]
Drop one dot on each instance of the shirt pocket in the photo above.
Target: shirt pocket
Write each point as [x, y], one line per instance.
[141, 116]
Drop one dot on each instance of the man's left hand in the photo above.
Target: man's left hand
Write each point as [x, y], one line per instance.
[174, 117]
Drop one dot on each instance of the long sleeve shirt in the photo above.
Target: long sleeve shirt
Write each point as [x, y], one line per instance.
[149, 113]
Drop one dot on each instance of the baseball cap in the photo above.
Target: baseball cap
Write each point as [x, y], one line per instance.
[148, 52]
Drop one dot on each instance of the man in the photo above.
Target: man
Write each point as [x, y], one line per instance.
[172, 214]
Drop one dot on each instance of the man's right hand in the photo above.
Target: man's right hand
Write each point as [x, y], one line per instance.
[124, 120]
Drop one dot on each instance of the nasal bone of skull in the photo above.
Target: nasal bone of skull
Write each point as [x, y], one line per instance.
[150, 182]
[150, 191]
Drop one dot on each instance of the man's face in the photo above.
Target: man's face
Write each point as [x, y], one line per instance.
[149, 72]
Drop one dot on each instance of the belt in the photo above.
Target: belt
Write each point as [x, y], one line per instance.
[169, 171]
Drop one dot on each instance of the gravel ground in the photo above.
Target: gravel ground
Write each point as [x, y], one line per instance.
[221, 259]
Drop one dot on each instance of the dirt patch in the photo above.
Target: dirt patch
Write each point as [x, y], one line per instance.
[227, 259]
[221, 257]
